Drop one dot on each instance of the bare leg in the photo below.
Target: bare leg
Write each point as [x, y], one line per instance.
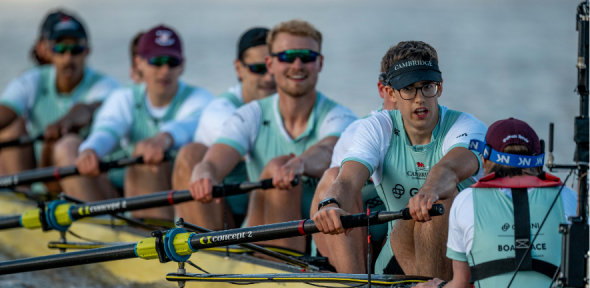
[15, 159]
[402, 245]
[420, 248]
[143, 180]
[279, 205]
[255, 209]
[343, 251]
[208, 215]
[81, 187]
[431, 246]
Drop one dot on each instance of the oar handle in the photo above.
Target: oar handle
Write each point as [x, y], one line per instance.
[106, 166]
[240, 188]
[359, 220]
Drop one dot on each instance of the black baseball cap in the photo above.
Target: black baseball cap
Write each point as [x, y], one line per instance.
[60, 24]
[252, 38]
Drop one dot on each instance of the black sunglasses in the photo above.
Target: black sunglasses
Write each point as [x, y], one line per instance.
[62, 48]
[162, 60]
[290, 56]
[258, 68]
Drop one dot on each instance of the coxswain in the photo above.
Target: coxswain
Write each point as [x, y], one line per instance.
[493, 223]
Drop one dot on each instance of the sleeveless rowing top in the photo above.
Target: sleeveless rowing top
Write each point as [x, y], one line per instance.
[405, 166]
[494, 237]
[144, 125]
[270, 142]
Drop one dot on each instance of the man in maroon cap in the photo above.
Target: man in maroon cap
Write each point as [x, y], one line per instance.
[492, 225]
[158, 115]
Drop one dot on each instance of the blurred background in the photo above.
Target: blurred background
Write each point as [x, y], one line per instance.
[499, 58]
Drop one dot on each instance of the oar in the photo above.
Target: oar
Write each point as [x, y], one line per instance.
[178, 245]
[60, 214]
[21, 141]
[57, 173]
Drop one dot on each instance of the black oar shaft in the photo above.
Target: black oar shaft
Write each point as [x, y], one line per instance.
[68, 259]
[57, 173]
[159, 199]
[252, 247]
[37, 175]
[200, 241]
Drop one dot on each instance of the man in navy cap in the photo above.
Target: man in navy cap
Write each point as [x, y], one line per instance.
[254, 83]
[158, 115]
[54, 99]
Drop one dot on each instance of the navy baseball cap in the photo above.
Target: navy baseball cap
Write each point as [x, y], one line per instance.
[59, 25]
[513, 131]
[160, 41]
[406, 72]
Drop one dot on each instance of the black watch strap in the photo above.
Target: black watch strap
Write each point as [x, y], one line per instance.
[442, 284]
[325, 202]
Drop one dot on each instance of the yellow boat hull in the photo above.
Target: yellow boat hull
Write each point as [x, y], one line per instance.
[23, 243]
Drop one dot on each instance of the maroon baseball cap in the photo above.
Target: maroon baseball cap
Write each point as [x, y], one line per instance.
[160, 41]
[513, 131]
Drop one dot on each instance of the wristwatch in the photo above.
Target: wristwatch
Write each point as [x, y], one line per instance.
[442, 284]
[328, 201]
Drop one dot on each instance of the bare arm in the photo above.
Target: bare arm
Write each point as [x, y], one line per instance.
[459, 164]
[351, 179]
[7, 116]
[218, 162]
[461, 274]
[316, 159]
[79, 116]
[312, 162]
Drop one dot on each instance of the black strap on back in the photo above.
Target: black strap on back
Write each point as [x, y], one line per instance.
[522, 241]
[507, 265]
[522, 228]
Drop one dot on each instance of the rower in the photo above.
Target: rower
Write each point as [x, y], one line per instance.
[255, 83]
[54, 99]
[343, 250]
[158, 115]
[415, 155]
[289, 133]
[510, 202]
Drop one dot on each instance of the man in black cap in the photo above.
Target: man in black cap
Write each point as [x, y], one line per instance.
[255, 83]
[55, 99]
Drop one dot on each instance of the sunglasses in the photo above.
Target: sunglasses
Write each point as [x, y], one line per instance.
[289, 56]
[62, 48]
[259, 68]
[163, 60]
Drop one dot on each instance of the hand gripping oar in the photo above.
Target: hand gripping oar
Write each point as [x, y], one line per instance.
[59, 214]
[178, 244]
[21, 141]
[57, 173]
